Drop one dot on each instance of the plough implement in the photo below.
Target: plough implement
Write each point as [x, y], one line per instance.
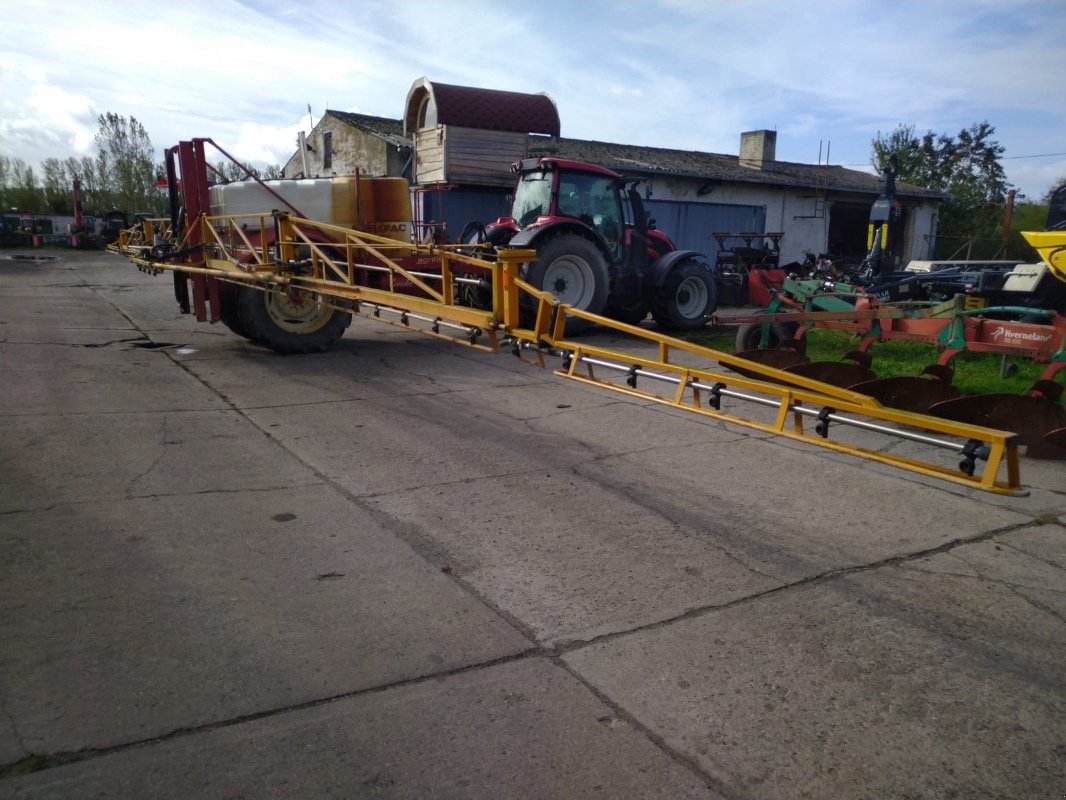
[293, 284]
[961, 324]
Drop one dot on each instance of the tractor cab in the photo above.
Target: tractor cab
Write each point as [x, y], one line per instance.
[594, 200]
[552, 191]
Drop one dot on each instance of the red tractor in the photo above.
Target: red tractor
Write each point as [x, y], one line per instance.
[596, 250]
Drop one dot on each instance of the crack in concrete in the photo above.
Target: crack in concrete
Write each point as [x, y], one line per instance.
[36, 762]
[812, 580]
[978, 576]
[606, 457]
[155, 462]
[687, 762]
[1032, 601]
[14, 727]
[122, 411]
[446, 483]
[153, 495]
[1017, 589]
[1022, 551]
[142, 338]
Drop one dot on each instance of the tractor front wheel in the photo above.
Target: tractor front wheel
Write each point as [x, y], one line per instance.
[290, 321]
[686, 299]
[574, 271]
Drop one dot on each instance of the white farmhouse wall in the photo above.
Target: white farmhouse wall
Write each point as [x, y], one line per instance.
[791, 211]
[352, 150]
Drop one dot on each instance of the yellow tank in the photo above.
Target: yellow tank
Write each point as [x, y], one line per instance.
[385, 207]
[1051, 245]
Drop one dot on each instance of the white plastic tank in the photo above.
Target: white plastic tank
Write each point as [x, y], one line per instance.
[331, 200]
[376, 205]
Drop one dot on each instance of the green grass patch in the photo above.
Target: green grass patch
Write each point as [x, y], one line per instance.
[975, 373]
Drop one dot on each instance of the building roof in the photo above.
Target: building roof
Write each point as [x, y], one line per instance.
[716, 167]
[391, 130]
[649, 161]
[487, 109]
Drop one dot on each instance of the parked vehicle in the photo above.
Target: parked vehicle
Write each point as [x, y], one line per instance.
[597, 250]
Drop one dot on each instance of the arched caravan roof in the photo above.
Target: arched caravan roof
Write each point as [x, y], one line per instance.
[430, 104]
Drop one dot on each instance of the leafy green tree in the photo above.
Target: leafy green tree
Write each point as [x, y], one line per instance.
[1026, 217]
[121, 175]
[84, 169]
[965, 166]
[226, 172]
[1031, 216]
[231, 172]
[125, 168]
[19, 192]
[57, 184]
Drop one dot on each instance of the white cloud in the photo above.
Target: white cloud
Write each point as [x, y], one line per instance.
[673, 73]
[266, 144]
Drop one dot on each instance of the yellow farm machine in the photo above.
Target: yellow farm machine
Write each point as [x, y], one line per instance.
[287, 264]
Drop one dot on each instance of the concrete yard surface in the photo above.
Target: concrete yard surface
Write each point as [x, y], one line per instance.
[409, 569]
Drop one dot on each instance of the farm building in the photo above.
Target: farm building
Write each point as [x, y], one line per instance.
[342, 142]
[456, 144]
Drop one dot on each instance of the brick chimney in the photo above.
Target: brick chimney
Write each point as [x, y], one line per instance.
[758, 149]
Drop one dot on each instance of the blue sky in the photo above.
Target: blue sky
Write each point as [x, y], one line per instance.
[688, 74]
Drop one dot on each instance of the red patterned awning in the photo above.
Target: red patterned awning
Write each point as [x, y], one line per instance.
[488, 109]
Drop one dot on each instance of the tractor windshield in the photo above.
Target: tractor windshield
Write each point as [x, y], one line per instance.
[532, 197]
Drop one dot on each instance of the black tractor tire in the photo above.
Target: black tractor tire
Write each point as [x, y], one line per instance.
[750, 333]
[289, 323]
[228, 313]
[573, 269]
[473, 234]
[687, 298]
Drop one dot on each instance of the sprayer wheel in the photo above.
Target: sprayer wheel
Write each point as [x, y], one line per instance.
[290, 321]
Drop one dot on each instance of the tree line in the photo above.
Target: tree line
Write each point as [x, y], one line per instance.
[121, 175]
[973, 220]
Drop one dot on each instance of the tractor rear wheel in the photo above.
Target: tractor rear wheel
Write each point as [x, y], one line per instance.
[292, 321]
[574, 271]
[686, 299]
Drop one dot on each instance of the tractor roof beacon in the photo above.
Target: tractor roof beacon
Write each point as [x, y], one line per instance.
[596, 250]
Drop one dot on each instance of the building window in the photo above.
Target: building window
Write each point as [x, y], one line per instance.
[327, 150]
